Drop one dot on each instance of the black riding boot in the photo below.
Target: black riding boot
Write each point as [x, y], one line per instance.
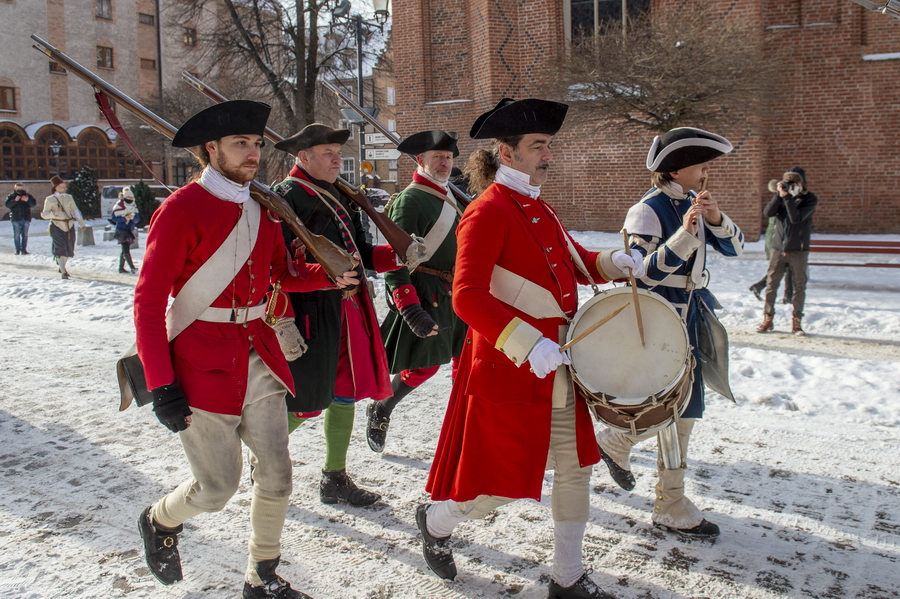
[122, 263]
[379, 413]
[129, 260]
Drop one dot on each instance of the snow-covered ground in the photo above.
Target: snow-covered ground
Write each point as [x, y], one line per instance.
[802, 473]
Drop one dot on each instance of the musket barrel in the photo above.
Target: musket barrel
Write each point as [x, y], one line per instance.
[145, 115]
[463, 196]
[334, 260]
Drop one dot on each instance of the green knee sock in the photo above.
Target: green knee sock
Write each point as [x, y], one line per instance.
[294, 422]
[338, 428]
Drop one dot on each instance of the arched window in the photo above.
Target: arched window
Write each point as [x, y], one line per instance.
[93, 150]
[52, 155]
[12, 155]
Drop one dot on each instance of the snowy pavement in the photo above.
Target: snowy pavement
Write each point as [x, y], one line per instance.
[802, 474]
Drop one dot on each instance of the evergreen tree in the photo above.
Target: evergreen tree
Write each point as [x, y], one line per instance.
[146, 201]
[83, 187]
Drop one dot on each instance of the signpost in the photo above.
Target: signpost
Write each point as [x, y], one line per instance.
[382, 154]
[377, 139]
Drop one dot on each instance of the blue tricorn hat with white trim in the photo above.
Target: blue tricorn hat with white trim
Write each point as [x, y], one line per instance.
[683, 147]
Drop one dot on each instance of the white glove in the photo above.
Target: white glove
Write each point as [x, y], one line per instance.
[633, 260]
[545, 357]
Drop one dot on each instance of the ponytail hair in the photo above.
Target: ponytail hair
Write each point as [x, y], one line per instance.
[481, 168]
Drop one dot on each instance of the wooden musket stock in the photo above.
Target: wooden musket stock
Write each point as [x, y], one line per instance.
[399, 239]
[333, 259]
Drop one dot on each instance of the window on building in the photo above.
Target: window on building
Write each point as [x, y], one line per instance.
[8, 99]
[104, 57]
[348, 170]
[147, 63]
[104, 9]
[349, 93]
[56, 68]
[392, 165]
[12, 155]
[589, 17]
[389, 92]
[345, 124]
[146, 19]
[392, 125]
[112, 106]
[190, 36]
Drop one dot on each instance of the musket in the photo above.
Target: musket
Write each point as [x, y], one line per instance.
[333, 259]
[463, 198]
[399, 240]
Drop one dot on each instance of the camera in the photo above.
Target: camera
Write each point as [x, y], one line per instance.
[787, 186]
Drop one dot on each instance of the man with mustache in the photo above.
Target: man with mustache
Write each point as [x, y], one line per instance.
[514, 411]
[421, 331]
[345, 360]
[222, 380]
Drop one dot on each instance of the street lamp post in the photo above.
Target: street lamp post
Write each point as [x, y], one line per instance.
[381, 16]
[55, 147]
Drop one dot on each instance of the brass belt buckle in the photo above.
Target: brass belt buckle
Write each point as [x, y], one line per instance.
[238, 312]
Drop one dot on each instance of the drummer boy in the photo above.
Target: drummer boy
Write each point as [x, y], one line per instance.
[672, 226]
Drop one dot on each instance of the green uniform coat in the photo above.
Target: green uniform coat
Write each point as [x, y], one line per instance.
[416, 211]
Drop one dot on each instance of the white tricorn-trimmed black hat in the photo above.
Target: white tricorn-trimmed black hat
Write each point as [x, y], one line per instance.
[683, 147]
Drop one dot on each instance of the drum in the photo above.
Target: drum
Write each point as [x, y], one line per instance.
[631, 387]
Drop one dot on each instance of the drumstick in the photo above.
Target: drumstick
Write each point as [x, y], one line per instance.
[702, 189]
[634, 291]
[592, 328]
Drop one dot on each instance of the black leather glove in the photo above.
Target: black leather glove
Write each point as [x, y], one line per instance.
[171, 407]
[418, 320]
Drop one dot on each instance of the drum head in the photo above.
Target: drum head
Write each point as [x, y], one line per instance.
[612, 361]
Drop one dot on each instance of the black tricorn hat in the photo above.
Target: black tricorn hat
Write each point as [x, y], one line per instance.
[425, 141]
[314, 134]
[683, 147]
[235, 117]
[510, 118]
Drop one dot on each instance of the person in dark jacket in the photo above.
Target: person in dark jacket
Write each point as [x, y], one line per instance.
[20, 203]
[345, 361]
[759, 287]
[126, 217]
[793, 208]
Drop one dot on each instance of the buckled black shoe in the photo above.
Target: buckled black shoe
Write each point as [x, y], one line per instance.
[376, 431]
[337, 487]
[274, 586]
[160, 549]
[624, 478]
[704, 530]
[584, 588]
[436, 551]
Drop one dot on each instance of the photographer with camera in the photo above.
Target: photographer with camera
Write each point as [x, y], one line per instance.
[793, 207]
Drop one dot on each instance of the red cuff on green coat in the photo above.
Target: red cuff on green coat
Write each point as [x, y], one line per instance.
[405, 296]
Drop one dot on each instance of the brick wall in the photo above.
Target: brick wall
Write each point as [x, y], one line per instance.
[839, 118]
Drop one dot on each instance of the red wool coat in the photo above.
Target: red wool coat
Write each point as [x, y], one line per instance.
[496, 432]
[208, 359]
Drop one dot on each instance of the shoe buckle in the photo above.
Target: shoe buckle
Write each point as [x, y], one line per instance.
[168, 541]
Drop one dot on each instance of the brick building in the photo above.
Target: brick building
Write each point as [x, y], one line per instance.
[454, 60]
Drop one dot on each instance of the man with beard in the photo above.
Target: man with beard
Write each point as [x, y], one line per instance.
[345, 361]
[222, 380]
[514, 411]
[421, 331]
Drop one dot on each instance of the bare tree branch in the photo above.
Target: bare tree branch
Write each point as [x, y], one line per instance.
[690, 68]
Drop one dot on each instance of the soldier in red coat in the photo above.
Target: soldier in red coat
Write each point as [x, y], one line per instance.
[514, 411]
[222, 380]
